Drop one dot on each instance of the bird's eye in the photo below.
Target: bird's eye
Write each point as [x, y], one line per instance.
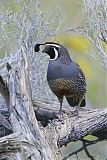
[51, 47]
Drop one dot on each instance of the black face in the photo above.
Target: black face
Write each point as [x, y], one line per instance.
[50, 51]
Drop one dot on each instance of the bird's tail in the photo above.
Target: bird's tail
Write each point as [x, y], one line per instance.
[74, 102]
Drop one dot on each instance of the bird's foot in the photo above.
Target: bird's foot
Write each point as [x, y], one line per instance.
[60, 115]
[61, 111]
[76, 111]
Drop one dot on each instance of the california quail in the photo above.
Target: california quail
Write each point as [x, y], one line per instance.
[64, 76]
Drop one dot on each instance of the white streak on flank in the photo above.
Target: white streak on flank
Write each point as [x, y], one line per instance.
[56, 55]
[54, 45]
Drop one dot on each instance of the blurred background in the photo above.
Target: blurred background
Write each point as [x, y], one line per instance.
[71, 14]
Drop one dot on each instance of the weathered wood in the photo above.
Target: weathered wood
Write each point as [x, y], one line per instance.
[64, 129]
[4, 91]
[23, 118]
[9, 143]
[9, 146]
[5, 122]
[70, 127]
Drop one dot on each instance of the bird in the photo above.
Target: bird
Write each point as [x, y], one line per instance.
[64, 76]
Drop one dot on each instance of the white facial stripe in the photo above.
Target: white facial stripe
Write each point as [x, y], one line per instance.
[54, 45]
[56, 55]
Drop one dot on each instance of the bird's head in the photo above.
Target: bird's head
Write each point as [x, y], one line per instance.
[50, 48]
[54, 50]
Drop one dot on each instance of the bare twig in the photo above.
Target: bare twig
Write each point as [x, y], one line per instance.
[79, 29]
[86, 150]
[80, 149]
[104, 37]
[96, 25]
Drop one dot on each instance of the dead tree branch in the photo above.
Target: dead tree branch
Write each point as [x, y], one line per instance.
[22, 116]
[70, 127]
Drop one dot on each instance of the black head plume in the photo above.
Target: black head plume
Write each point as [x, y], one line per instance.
[37, 47]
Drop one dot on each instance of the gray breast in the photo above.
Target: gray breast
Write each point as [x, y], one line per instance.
[56, 70]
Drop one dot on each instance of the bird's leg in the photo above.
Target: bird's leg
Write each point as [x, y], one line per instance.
[60, 110]
[59, 115]
[78, 106]
[76, 111]
[60, 101]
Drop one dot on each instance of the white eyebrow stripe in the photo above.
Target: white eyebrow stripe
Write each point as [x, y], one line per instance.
[54, 45]
[56, 55]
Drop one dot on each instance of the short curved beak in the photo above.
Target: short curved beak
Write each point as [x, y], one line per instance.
[44, 50]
